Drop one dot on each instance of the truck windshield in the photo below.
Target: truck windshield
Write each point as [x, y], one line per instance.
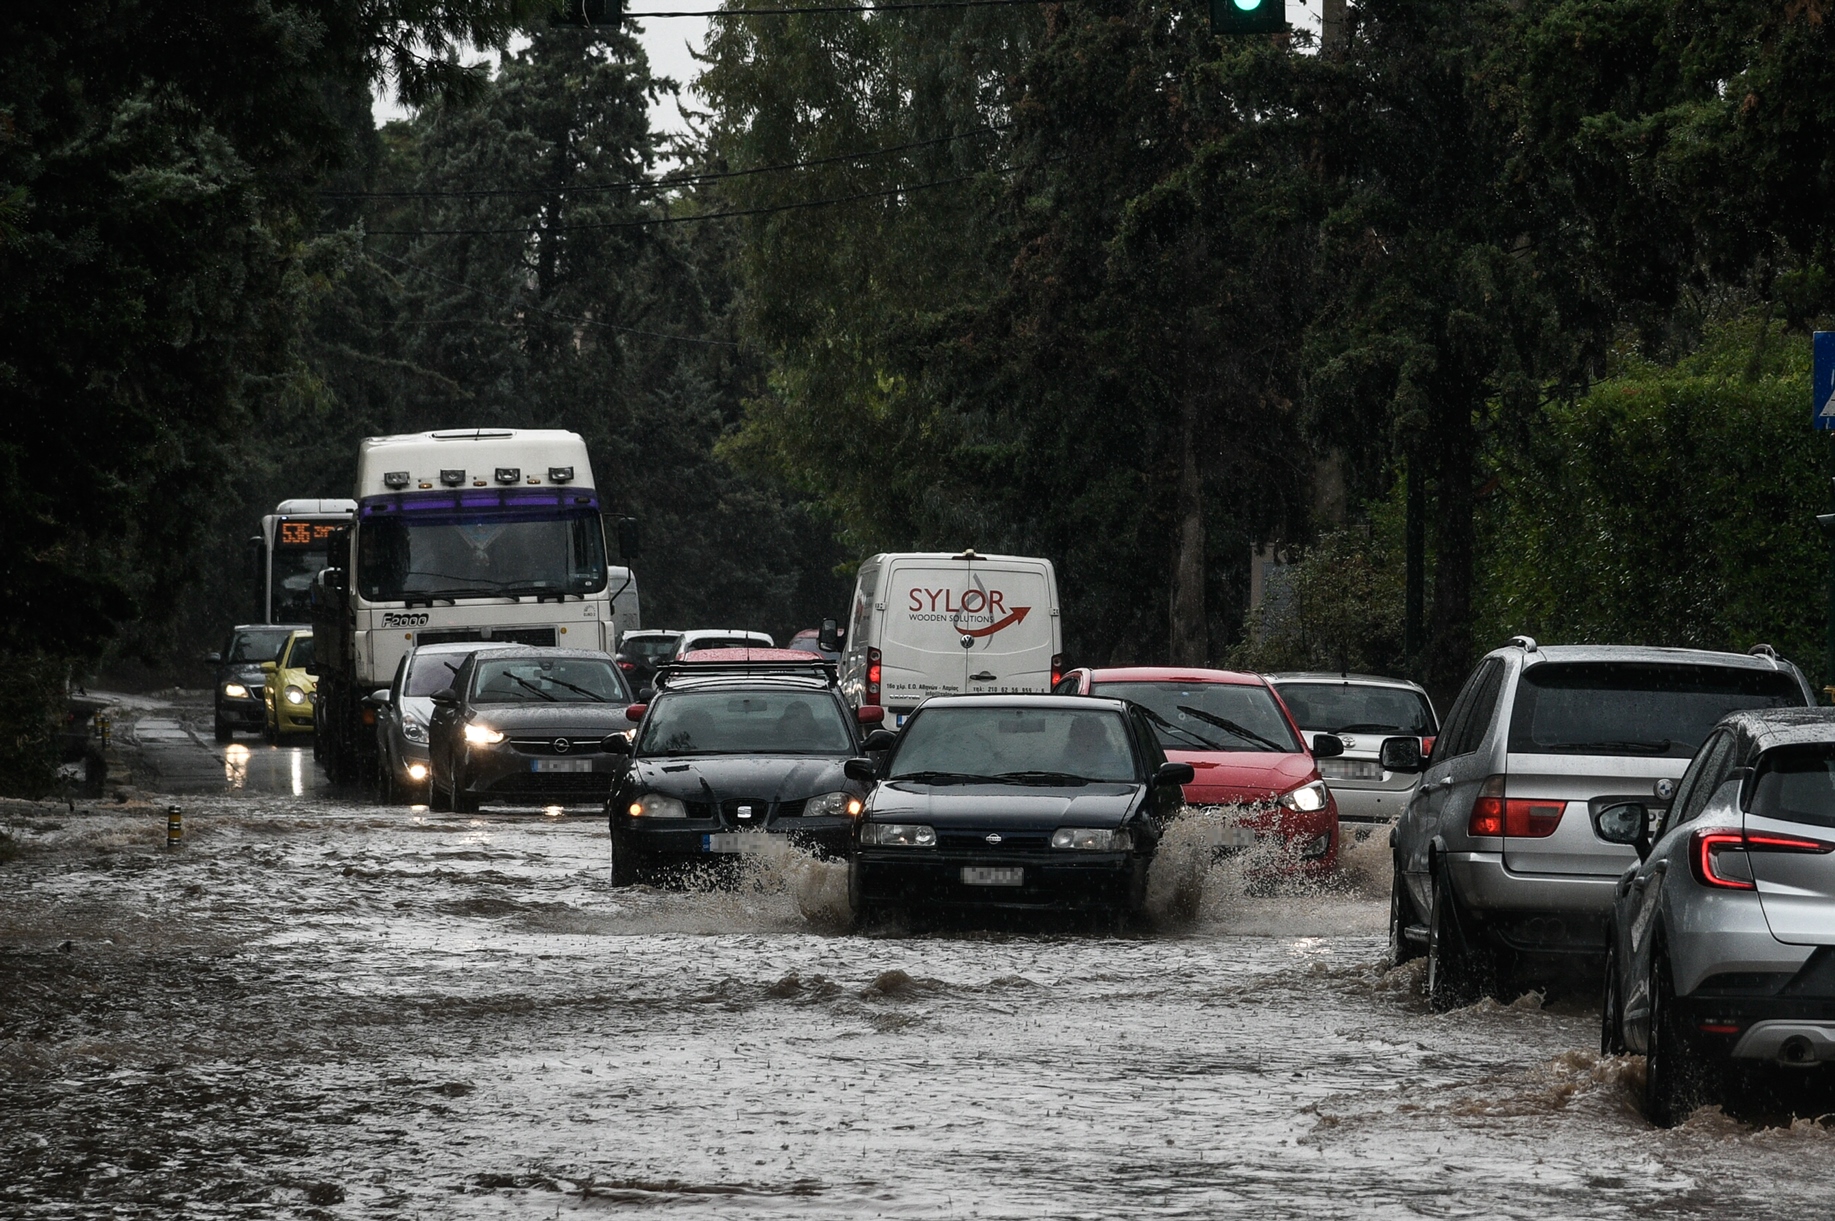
[962, 745]
[745, 723]
[480, 554]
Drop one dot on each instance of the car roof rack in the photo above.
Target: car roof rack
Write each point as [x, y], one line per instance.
[1762, 650]
[1525, 643]
[803, 666]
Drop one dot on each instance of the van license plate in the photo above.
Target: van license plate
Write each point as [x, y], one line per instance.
[742, 843]
[984, 875]
[561, 765]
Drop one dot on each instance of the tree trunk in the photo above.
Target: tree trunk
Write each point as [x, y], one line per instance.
[1414, 558]
[1448, 656]
[1189, 644]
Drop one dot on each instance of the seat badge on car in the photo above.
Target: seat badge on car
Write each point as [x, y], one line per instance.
[562, 746]
[993, 837]
[745, 811]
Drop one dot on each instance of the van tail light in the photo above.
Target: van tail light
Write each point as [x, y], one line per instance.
[1057, 670]
[872, 677]
[1517, 817]
[1719, 861]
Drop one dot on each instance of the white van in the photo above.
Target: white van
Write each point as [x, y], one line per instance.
[932, 623]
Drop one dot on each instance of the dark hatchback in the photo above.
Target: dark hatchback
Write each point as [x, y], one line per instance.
[528, 726]
[1042, 802]
[239, 676]
[729, 752]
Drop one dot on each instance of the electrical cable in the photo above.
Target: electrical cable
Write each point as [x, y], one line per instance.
[836, 8]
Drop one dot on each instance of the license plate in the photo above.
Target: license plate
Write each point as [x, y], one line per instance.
[1350, 769]
[1231, 837]
[993, 875]
[734, 842]
[561, 765]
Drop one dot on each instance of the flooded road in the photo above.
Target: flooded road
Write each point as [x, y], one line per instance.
[317, 1007]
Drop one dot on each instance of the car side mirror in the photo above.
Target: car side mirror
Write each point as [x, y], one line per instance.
[380, 696]
[829, 638]
[616, 744]
[1174, 773]
[878, 740]
[268, 667]
[635, 712]
[215, 659]
[861, 770]
[870, 714]
[1624, 822]
[446, 698]
[645, 694]
[1327, 746]
[1401, 755]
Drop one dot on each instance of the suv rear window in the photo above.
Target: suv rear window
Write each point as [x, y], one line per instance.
[1630, 708]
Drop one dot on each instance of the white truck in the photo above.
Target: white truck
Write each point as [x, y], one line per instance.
[493, 535]
[934, 623]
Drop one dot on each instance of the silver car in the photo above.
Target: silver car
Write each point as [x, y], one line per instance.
[403, 713]
[1722, 931]
[1362, 711]
[1497, 863]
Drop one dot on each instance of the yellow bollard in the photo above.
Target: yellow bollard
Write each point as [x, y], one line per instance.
[175, 826]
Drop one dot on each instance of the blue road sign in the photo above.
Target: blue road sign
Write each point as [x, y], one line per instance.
[1822, 385]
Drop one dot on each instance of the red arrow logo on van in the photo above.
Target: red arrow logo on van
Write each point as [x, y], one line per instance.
[1018, 613]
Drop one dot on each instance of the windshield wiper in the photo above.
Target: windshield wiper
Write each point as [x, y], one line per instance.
[1229, 726]
[1057, 778]
[591, 695]
[1660, 747]
[1203, 742]
[531, 686]
[942, 778]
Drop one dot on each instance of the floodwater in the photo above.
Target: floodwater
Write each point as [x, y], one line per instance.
[318, 1007]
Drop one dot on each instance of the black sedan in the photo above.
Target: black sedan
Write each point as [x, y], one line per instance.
[528, 726]
[1036, 802]
[238, 677]
[722, 760]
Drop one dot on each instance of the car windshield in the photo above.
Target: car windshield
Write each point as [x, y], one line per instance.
[1797, 784]
[745, 723]
[248, 647]
[649, 647]
[1625, 708]
[301, 656]
[489, 551]
[1210, 716]
[946, 745]
[547, 680]
[430, 672]
[1345, 707]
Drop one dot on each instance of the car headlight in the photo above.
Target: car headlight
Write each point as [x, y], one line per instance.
[414, 731]
[655, 805]
[832, 805]
[1306, 799]
[898, 835]
[483, 735]
[294, 695]
[235, 691]
[1093, 839]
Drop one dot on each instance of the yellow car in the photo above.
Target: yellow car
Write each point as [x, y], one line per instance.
[288, 689]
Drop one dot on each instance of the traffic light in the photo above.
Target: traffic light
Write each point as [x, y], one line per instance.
[1248, 16]
[589, 13]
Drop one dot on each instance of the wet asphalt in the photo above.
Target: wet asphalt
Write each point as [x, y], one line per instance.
[315, 1006]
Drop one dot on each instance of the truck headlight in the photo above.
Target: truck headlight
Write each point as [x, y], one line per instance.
[898, 835]
[293, 695]
[832, 805]
[235, 691]
[1093, 839]
[1306, 799]
[655, 805]
[483, 735]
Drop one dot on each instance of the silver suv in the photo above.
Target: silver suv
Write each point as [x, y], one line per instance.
[1723, 933]
[1362, 711]
[1497, 862]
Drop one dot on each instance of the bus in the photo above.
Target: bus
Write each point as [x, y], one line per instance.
[292, 548]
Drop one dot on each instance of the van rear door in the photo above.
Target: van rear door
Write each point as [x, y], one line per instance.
[962, 626]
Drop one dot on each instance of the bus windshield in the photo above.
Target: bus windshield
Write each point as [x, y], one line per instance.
[479, 554]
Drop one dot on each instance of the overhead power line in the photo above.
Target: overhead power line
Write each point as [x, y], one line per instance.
[668, 180]
[837, 8]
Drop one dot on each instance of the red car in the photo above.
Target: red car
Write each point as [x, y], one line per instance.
[1244, 746]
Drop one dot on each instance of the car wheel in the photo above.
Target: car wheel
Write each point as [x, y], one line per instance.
[1674, 1070]
[1401, 949]
[225, 731]
[1612, 1010]
[628, 866]
[436, 797]
[462, 801]
[1458, 970]
[270, 731]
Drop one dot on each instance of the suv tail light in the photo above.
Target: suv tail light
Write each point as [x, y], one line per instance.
[1718, 858]
[872, 696]
[1517, 817]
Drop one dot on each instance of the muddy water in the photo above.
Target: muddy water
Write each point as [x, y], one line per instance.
[314, 1008]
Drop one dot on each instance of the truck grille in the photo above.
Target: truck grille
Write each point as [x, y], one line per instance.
[542, 637]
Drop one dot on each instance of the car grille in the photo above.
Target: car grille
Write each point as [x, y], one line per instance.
[577, 744]
[1010, 841]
